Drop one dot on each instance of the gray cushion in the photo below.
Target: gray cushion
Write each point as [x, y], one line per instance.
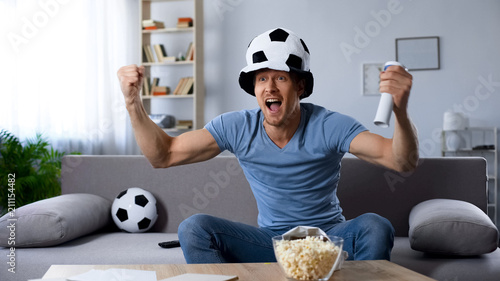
[451, 227]
[55, 220]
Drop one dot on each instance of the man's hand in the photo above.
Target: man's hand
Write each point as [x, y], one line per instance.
[159, 148]
[401, 152]
[396, 81]
[131, 79]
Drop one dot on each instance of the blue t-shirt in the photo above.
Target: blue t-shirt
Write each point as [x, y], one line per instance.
[297, 184]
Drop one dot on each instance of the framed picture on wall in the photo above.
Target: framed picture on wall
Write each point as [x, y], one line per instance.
[418, 53]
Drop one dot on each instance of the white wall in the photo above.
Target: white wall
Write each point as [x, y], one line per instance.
[469, 40]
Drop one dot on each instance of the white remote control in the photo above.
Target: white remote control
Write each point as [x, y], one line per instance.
[384, 110]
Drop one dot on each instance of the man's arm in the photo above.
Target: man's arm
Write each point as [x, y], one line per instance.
[160, 149]
[401, 152]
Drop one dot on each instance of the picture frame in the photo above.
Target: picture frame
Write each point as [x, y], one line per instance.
[418, 53]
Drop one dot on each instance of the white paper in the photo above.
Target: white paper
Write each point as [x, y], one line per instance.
[303, 231]
[201, 277]
[116, 274]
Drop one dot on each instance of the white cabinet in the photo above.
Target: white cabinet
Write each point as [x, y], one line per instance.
[477, 141]
[176, 41]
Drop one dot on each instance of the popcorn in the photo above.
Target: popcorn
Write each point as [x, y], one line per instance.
[308, 258]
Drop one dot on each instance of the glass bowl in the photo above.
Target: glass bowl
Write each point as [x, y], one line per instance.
[308, 258]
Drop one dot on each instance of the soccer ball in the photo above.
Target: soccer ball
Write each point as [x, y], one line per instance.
[134, 210]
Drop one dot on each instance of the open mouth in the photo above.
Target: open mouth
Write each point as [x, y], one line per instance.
[273, 104]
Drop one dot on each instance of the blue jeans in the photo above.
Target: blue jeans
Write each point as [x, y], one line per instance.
[208, 239]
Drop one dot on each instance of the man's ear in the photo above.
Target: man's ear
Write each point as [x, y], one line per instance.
[301, 87]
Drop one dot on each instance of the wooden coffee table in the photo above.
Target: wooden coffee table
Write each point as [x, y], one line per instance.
[351, 270]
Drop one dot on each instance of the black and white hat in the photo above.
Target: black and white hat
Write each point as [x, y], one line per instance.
[277, 49]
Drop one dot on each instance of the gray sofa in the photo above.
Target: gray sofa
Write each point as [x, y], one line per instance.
[86, 235]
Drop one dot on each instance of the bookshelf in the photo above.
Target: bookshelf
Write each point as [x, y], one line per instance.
[176, 42]
[483, 142]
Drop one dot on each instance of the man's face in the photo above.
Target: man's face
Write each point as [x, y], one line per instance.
[278, 93]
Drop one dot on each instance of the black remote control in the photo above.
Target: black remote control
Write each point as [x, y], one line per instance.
[170, 244]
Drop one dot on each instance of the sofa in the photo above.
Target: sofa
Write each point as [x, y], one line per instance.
[438, 213]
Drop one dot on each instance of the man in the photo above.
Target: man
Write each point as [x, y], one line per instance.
[289, 151]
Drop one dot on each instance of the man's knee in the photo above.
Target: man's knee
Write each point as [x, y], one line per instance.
[377, 225]
[193, 224]
[376, 237]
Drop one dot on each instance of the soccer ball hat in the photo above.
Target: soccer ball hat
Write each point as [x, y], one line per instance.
[277, 49]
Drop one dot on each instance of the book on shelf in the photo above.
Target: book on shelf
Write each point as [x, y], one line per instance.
[188, 87]
[156, 53]
[190, 52]
[144, 54]
[151, 24]
[148, 53]
[164, 56]
[178, 87]
[169, 59]
[150, 87]
[146, 86]
[184, 87]
[161, 53]
[155, 82]
[184, 124]
[184, 22]
[161, 91]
